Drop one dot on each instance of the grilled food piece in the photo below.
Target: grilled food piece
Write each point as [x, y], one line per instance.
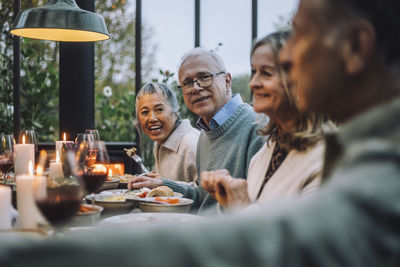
[161, 191]
[130, 152]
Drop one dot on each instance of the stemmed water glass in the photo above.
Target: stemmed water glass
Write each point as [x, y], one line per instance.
[95, 134]
[59, 198]
[7, 143]
[82, 137]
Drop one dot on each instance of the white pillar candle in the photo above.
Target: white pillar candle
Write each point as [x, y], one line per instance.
[55, 169]
[25, 201]
[59, 144]
[23, 154]
[5, 207]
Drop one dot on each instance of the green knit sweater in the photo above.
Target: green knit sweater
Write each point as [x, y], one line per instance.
[230, 146]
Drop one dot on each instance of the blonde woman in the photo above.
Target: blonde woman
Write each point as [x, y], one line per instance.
[290, 163]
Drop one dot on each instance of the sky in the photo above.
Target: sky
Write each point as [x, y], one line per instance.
[222, 21]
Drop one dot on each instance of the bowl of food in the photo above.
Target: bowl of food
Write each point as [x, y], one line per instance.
[161, 191]
[110, 183]
[116, 202]
[165, 204]
[87, 215]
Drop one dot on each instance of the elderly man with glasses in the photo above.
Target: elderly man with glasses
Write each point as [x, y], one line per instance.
[228, 140]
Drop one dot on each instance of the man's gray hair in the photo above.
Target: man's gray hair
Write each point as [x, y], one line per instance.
[203, 52]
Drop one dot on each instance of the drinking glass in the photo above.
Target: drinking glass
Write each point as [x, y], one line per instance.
[30, 137]
[95, 133]
[59, 198]
[82, 137]
[93, 162]
[7, 143]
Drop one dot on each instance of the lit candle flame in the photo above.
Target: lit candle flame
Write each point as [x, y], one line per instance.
[57, 157]
[117, 168]
[39, 170]
[65, 137]
[99, 169]
[30, 168]
[110, 172]
[23, 139]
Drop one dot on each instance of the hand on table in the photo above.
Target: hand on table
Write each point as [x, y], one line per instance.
[150, 180]
[229, 192]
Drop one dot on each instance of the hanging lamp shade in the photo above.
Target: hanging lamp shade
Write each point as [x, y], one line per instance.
[60, 20]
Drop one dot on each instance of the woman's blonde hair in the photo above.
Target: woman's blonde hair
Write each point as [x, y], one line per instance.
[310, 126]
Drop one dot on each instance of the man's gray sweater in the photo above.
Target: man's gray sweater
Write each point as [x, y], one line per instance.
[230, 146]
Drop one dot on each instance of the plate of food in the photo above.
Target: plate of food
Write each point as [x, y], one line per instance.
[152, 218]
[112, 202]
[146, 194]
[110, 183]
[165, 204]
[163, 199]
[123, 179]
[86, 215]
[142, 193]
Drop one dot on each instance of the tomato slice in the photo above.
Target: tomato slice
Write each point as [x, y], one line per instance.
[167, 200]
[143, 194]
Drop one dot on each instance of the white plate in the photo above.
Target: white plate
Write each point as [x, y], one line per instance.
[151, 217]
[136, 192]
[182, 207]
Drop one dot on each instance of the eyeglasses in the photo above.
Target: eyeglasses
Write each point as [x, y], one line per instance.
[203, 82]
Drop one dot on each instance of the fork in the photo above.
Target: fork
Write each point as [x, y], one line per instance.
[140, 162]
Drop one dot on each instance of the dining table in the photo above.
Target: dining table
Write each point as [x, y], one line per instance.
[103, 213]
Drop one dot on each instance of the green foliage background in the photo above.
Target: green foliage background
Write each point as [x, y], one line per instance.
[6, 81]
[114, 78]
[115, 71]
[39, 80]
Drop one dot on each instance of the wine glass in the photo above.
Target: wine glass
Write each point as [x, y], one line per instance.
[93, 162]
[95, 134]
[7, 143]
[30, 138]
[82, 137]
[59, 198]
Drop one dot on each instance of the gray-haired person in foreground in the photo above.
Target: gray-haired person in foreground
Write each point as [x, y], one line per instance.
[344, 56]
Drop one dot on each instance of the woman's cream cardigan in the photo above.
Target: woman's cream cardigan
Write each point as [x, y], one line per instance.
[298, 175]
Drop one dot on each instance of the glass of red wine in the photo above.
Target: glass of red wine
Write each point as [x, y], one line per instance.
[93, 163]
[7, 143]
[59, 198]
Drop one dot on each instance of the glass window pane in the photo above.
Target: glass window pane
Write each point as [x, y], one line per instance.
[115, 72]
[171, 25]
[226, 27]
[274, 14]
